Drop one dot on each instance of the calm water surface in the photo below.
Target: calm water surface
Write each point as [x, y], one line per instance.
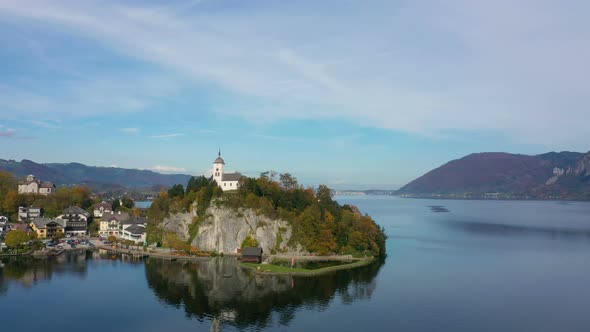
[481, 266]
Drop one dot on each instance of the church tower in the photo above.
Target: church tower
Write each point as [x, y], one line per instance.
[218, 168]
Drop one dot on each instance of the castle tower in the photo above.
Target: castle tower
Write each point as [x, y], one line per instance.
[218, 168]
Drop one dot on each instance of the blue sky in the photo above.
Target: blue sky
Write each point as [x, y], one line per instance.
[354, 94]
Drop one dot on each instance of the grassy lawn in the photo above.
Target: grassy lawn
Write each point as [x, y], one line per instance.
[274, 268]
[277, 269]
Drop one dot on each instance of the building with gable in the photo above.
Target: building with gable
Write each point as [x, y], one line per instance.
[226, 181]
[101, 208]
[30, 185]
[75, 220]
[110, 223]
[47, 228]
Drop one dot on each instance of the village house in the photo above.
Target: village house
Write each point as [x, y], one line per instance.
[22, 227]
[76, 220]
[47, 228]
[110, 223]
[226, 181]
[4, 225]
[28, 213]
[30, 185]
[133, 229]
[102, 208]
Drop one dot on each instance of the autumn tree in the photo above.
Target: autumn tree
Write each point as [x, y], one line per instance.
[288, 181]
[16, 237]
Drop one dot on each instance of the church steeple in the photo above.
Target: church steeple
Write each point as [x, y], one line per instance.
[218, 168]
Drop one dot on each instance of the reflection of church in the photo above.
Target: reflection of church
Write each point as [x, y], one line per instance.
[226, 181]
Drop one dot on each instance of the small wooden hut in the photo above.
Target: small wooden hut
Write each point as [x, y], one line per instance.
[252, 255]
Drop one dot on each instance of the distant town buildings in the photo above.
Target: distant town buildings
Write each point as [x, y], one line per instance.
[226, 181]
[102, 208]
[29, 213]
[30, 185]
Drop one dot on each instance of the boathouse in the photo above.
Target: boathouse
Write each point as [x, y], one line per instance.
[252, 255]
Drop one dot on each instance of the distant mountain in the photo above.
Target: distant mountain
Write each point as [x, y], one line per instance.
[95, 177]
[554, 175]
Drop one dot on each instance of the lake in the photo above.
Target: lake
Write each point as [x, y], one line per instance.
[452, 266]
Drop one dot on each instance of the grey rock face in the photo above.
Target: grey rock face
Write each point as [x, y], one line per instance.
[224, 230]
[179, 224]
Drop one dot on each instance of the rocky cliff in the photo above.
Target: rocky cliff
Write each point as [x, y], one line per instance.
[223, 230]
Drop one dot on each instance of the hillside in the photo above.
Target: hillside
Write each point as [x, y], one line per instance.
[95, 177]
[554, 175]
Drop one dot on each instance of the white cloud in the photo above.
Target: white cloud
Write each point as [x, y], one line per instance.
[167, 135]
[167, 169]
[130, 130]
[515, 67]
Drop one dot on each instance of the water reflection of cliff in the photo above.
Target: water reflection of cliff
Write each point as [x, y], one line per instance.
[222, 291]
[28, 271]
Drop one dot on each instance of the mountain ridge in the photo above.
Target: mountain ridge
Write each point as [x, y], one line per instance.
[552, 175]
[75, 173]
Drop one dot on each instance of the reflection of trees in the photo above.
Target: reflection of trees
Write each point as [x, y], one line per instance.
[219, 289]
[28, 271]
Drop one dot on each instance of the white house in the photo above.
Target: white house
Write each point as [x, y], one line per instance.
[4, 225]
[102, 208]
[27, 213]
[110, 223]
[133, 229]
[226, 181]
[33, 186]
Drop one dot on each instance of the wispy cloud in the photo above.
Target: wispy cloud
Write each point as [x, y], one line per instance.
[7, 133]
[167, 169]
[167, 135]
[130, 130]
[421, 68]
[45, 124]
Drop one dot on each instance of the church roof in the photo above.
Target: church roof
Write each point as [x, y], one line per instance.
[219, 160]
[231, 177]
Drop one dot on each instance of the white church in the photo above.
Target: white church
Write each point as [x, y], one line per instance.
[226, 181]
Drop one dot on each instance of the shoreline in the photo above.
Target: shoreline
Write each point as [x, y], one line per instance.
[493, 199]
[299, 272]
